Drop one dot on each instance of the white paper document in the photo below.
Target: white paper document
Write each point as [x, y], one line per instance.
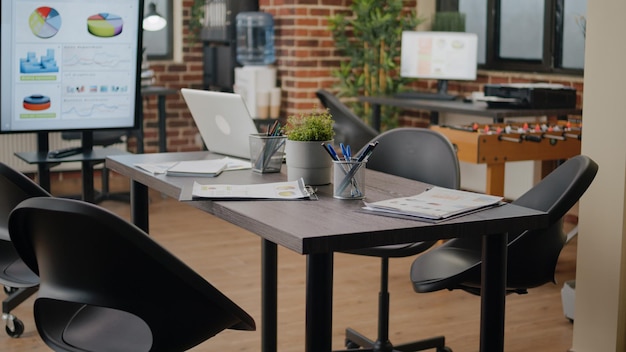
[195, 167]
[435, 203]
[206, 168]
[277, 190]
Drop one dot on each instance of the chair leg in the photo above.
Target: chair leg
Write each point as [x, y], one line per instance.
[354, 337]
[356, 341]
[17, 297]
[382, 343]
[438, 342]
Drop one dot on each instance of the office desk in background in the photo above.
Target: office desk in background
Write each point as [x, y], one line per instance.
[459, 107]
[296, 225]
[88, 160]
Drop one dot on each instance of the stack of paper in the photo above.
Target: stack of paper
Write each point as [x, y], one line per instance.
[206, 168]
[276, 190]
[435, 203]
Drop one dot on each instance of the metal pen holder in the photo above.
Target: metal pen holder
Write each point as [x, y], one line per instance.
[349, 179]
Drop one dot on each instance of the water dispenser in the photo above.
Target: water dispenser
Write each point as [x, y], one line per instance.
[256, 80]
[255, 38]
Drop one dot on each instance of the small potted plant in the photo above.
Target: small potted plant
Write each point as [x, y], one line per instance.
[306, 157]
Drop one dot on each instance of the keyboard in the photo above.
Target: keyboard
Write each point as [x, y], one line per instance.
[423, 95]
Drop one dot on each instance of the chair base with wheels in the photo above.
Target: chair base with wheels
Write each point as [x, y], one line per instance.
[355, 340]
[14, 327]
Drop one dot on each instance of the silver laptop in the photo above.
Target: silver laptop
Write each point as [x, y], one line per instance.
[223, 121]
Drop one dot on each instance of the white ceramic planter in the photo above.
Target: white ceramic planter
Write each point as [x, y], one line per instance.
[310, 161]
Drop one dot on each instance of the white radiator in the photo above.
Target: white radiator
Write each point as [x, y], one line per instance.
[27, 142]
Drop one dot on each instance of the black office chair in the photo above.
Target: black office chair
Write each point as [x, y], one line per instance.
[349, 128]
[532, 255]
[423, 155]
[105, 285]
[19, 281]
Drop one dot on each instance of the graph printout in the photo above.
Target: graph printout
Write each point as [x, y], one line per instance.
[69, 64]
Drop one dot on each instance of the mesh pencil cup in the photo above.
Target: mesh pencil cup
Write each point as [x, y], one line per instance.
[349, 179]
[266, 152]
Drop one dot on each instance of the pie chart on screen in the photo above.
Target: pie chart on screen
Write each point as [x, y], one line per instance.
[105, 25]
[45, 22]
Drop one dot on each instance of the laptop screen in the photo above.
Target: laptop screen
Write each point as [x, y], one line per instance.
[223, 121]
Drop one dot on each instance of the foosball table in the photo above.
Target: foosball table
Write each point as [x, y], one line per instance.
[496, 144]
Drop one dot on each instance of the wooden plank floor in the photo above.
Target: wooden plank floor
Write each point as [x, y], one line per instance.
[229, 258]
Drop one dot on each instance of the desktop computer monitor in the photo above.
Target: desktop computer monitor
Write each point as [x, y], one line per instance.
[438, 55]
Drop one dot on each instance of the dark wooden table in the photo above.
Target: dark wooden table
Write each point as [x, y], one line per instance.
[319, 228]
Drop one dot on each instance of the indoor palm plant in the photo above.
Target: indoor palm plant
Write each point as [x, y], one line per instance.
[369, 37]
[306, 157]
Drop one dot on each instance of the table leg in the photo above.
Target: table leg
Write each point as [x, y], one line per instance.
[43, 173]
[492, 299]
[495, 179]
[139, 205]
[319, 302]
[269, 296]
[43, 170]
[89, 195]
[162, 116]
[434, 117]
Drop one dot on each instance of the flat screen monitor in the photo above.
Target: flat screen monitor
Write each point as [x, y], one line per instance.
[70, 65]
[439, 55]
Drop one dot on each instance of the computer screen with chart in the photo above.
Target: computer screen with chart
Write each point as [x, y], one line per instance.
[439, 55]
[69, 64]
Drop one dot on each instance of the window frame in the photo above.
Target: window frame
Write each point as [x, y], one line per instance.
[552, 41]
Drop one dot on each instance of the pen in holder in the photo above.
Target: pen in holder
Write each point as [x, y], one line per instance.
[349, 179]
[267, 152]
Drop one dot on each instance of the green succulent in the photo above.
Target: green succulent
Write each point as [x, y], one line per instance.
[316, 125]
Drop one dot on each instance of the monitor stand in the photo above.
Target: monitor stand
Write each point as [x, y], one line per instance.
[442, 93]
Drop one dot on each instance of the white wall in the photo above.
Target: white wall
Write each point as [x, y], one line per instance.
[601, 269]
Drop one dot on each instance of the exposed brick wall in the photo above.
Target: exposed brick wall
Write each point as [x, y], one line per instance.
[181, 130]
[305, 57]
[304, 48]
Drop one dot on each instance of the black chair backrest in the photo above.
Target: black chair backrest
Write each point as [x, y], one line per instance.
[14, 188]
[417, 153]
[349, 128]
[533, 255]
[560, 190]
[86, 255]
